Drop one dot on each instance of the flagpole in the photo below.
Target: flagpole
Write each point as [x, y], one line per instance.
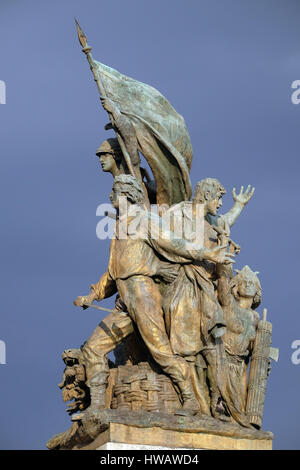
[87, 50]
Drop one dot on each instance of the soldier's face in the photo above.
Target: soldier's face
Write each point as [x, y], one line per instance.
[213, 205]
[107, 162]
[247, 288]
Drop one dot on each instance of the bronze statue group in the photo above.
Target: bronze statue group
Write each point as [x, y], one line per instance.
[178, 296]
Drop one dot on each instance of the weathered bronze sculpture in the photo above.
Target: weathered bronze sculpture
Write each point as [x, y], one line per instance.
[184, 328]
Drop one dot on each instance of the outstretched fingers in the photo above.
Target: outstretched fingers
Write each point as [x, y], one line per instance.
[243, 196]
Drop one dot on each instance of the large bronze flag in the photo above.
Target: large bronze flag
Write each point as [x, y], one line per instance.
[161, 132]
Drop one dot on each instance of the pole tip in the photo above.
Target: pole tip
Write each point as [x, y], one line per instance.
[81, 35]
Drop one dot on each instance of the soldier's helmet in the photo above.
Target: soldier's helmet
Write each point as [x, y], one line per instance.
[111, 146]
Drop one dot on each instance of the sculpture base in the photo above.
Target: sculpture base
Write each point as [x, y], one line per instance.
[175, 432]
[119, 446]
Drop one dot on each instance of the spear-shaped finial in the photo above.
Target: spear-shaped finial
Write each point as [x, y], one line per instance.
[87, 50]
[81, 35]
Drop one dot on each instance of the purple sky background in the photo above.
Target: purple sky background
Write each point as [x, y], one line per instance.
[227, 67]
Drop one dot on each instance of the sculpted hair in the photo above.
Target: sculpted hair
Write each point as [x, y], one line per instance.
[246, 273]
[130, 187]
[210, 185]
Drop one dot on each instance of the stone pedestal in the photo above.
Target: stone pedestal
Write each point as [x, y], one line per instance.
[118, 446]
[155, 431]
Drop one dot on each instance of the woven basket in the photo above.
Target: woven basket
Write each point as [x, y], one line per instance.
[139, 387]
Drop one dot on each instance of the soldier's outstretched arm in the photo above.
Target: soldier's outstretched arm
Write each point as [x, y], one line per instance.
[179, 250]
[105, 287]
[240, 200]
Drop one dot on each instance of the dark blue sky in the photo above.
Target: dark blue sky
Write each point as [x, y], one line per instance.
[227, 67]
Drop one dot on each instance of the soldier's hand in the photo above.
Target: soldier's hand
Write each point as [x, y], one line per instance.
[84, 300]
[218, 255]
[108, 105]
[243, 197]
